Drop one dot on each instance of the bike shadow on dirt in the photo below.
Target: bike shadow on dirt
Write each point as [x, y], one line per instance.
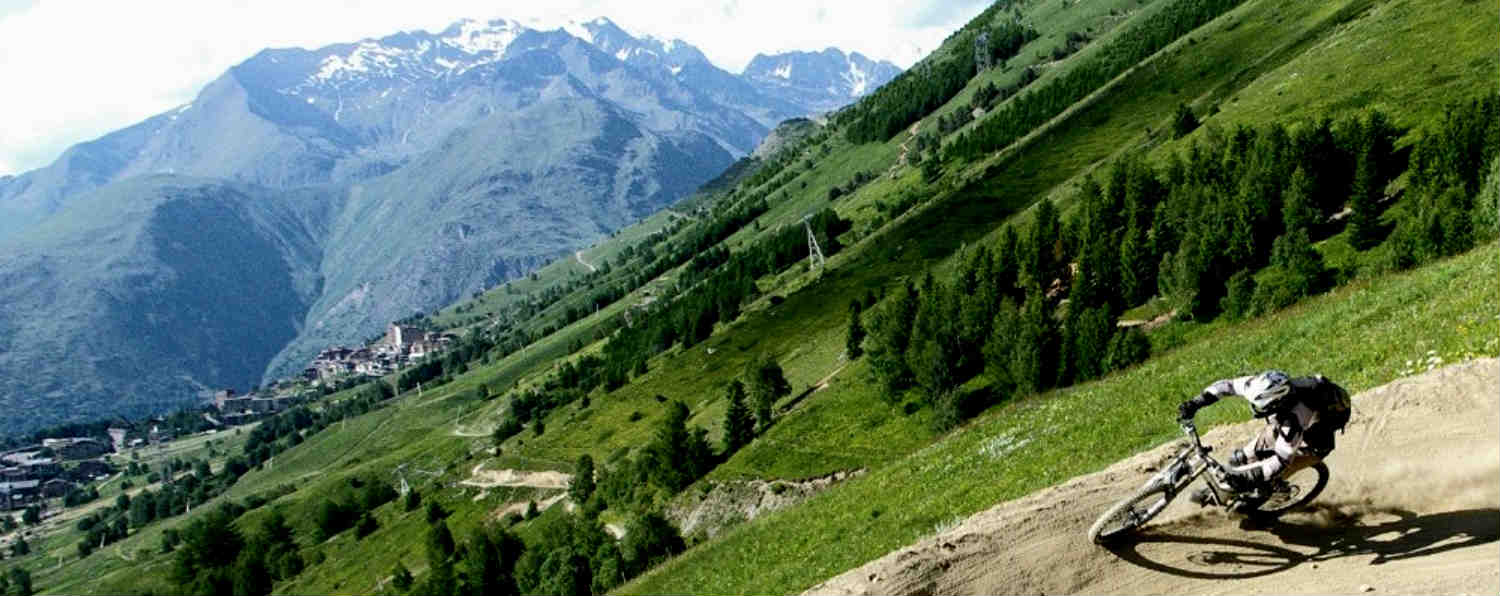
[1326, 533]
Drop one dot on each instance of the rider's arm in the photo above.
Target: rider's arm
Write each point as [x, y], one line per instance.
[1228, 387]
[1210, 395]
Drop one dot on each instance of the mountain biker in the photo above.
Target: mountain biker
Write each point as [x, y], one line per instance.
[1301, 415]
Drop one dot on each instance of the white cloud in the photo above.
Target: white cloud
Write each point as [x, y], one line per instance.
[74, 70]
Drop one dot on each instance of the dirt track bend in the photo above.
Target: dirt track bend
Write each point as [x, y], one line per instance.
[1413, 508]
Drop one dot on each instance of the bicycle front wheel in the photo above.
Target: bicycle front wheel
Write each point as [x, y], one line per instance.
[1131, 513]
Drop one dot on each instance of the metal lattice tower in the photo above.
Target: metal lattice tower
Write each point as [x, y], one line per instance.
[405, 488]
[814, 253]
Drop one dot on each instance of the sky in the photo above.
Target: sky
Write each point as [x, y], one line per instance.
[74, 70]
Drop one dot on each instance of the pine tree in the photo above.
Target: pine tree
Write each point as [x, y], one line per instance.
[678, 455]
[890, 336]
[934, 362]
[582, 486]
[739, 423]
[20, 582]
[856, 333]
[439, 543]
[1364, 216]
[1091, 331]
[1137, 266]
[1181, 277]
[1487, 206]
[1007, 262]
[250, 575]
[766, 383]
[1237, 302]
[1297, 271]
[1183, 122]
[998, 348]
[1298, 211]
[1031, 358]
[1042, 258]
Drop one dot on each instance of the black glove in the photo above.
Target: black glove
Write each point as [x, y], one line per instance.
[1186, 411]
[1189, 408]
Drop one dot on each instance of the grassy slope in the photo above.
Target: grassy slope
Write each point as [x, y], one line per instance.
[1374, 327]
[846, 425]
[1298, 35]
[555, 274]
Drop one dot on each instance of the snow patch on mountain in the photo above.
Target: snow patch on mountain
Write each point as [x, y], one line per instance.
[367, 54]
[858, 79]
[462, 46]
[474, 37]
[579, 30]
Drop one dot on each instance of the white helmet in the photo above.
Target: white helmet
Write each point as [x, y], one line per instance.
[1266, 391]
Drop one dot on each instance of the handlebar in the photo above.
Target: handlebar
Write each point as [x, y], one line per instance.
[1191, 430]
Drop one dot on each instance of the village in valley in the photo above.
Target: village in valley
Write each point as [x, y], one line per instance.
[400, 346]
[46, 479]
[331, 369]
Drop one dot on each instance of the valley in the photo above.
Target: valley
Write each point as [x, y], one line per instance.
[354, 185]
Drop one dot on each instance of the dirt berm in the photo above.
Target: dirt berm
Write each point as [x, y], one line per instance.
[1413, 507]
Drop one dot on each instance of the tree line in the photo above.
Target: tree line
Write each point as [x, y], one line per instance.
[1223, 228]
[1045, 101]
[925, 88]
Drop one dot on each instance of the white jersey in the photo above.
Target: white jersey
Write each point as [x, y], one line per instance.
[1289, 422]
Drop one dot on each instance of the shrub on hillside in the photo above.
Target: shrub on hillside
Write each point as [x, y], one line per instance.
[435, 512]
[649, 539]
[1183, 122]
[1127, 348]
[401, 578]
[366, 526]
[1238, 302]
[1487, 208]
[332, 517]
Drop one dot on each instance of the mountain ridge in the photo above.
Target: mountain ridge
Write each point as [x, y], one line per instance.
[367, 130]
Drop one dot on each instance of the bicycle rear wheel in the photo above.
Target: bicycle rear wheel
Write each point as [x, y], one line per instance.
[1298, 490]
[1131, 513]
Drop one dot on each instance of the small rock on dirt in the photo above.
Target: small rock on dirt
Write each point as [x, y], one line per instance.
[1367, 588]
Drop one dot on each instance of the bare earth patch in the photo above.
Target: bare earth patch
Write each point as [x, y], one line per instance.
[519, 507]
[730, 503]
[483, 478]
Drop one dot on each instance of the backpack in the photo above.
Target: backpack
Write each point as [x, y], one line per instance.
[1329, 400]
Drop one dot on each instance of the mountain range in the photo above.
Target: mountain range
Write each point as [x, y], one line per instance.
[305, 198]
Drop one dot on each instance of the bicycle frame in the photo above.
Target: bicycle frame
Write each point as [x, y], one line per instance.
[1191, 463]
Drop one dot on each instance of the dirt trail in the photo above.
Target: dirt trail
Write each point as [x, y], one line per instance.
[483, 478]
[905, 150]
[1413, 508]
[579, 255]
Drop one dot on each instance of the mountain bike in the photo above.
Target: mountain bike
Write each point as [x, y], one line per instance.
[1290, 492]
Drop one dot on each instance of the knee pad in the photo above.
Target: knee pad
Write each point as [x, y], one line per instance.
[1237, 458]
